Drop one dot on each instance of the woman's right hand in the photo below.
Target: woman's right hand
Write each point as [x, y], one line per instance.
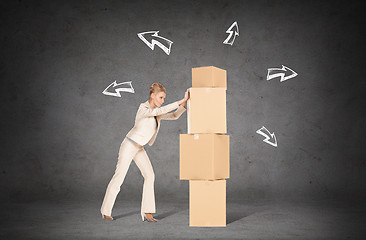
[186, 95]
[185, 99]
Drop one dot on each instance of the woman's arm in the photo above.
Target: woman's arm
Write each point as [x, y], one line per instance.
[174, 115]
[181, 109]
[145, 111]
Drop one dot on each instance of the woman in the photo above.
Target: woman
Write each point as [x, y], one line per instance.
[147, 124]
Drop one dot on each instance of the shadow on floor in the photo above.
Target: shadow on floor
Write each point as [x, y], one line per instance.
[235, 216]
[230, 217]
[126, 214]
[167, 214]
[159, 216]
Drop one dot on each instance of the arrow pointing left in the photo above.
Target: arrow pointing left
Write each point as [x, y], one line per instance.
[154, 37]
[115, 89]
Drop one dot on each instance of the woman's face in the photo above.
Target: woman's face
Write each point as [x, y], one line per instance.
[158, 98]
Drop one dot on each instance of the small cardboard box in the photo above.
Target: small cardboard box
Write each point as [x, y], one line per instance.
[207, 203]
[209, 77]
[206, 110]
[204, 156]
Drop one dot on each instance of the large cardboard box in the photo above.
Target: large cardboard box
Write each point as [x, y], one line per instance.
[209, 77]
[204, 156]
[207, 203]
[206, 110]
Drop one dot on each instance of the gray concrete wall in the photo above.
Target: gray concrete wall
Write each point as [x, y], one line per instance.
[61, 135]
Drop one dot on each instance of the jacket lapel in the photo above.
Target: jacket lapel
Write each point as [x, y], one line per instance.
[157, 117]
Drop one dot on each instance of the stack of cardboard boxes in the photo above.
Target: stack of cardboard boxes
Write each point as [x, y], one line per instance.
[204, 151]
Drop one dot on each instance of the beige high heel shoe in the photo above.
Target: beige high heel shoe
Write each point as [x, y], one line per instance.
[105, 217]
[152, 219]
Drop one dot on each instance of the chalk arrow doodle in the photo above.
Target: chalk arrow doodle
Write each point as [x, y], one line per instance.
[264, 132]
[164, 44]
[115, 89]
[280, 72]
[231, 32]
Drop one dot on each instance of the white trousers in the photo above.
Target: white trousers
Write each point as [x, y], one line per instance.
[128, 151]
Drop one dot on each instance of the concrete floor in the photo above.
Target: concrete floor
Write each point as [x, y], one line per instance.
[82, 220]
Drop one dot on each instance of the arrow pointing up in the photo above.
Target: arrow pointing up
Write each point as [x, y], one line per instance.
[231, 32]
[155, 39]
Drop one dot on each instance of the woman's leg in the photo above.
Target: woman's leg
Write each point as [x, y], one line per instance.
[148, 197]
[127, 152]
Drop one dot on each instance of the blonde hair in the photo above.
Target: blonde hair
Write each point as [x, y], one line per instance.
[157, 87]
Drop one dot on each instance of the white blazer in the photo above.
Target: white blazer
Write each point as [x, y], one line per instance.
[145, 129]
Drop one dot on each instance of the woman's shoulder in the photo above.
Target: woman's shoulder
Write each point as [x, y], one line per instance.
[145, 104]
[143, 108]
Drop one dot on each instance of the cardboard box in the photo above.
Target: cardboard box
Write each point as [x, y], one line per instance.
[204, 156]
[207, 203]
[208, 77]
[206, 110]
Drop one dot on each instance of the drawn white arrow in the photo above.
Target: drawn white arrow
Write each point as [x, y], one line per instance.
[231, 32]
[116, 91]
[261, 132]
[274, 72]
[153, 42]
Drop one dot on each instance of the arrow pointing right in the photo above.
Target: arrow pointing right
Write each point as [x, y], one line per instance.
[280, 72]
[264, 132]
